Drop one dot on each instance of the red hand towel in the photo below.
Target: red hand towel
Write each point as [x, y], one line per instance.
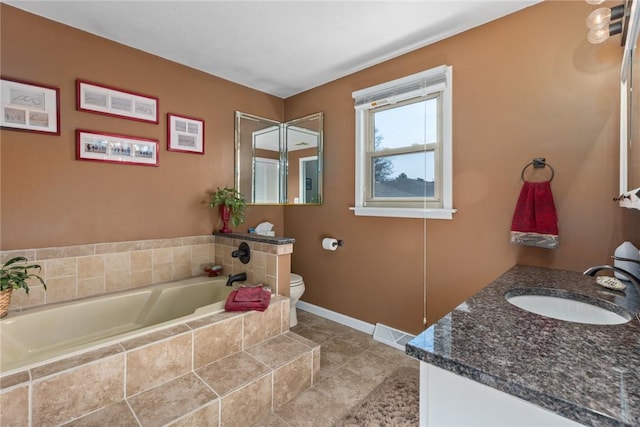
[245, 293]
[535, 221]
[262, 305]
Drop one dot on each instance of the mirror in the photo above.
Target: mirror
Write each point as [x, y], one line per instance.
[279, 163]
[304, 160]
[629, 116]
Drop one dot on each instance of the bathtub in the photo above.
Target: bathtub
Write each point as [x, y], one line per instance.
[48, 333]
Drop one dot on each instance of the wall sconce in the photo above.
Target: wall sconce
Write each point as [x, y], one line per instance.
[604, 22]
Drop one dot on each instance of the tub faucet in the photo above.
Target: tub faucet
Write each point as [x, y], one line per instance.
[633, 279]
[240, 277]
[243, 253]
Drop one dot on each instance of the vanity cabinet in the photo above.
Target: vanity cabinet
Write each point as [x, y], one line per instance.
[447, 399]
[490, 363]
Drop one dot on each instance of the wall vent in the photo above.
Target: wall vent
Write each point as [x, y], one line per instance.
[390, 336]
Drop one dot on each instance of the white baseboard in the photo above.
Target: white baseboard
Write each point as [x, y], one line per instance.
[356, 324]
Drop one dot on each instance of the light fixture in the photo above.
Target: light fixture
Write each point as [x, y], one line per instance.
[599, 35]
[604, 22]
[603, 16]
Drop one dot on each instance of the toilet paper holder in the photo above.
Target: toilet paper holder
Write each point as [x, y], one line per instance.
[331, 244]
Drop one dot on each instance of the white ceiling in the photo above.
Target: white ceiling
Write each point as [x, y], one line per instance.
[278, 47]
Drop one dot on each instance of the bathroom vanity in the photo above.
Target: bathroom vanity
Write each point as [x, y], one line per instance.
[489, 362]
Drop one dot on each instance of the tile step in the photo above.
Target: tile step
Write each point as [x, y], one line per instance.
[237, 390]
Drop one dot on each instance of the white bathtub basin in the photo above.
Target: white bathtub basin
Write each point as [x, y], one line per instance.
[564, 307]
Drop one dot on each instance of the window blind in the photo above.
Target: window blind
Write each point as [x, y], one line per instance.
[412, 86]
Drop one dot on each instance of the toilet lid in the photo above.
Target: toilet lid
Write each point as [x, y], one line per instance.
[295, 280]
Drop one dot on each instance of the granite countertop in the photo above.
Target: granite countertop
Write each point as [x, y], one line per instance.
[587, 373]
[253, 237]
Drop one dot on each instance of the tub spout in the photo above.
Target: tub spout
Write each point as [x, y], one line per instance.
[240, 277]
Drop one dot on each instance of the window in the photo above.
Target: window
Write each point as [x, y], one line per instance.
[266, 181]
[403, 147]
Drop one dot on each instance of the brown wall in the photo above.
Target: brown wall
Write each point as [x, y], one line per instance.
[525, 86]
[528, 85]
[51, 199]
[267, 154]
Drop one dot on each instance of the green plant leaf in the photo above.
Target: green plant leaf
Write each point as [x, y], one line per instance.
[234, 200]
[15, 273]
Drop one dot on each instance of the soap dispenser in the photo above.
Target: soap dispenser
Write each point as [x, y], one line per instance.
[627, 250]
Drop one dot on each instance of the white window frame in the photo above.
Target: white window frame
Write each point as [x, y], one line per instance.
[438, 79]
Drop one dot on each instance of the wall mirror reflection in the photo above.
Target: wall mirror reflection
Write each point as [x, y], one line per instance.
[279, 163]
[630, 115]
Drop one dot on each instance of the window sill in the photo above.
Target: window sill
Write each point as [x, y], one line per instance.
[405, 212]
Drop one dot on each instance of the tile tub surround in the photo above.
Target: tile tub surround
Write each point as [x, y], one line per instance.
[206, 369]
[73, 272]
[270, 262]
[587, 373]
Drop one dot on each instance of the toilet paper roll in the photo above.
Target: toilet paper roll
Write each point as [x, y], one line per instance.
[329, 244]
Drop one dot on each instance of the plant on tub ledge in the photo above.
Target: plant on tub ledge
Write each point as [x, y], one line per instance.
[15, 274]
[232, 207]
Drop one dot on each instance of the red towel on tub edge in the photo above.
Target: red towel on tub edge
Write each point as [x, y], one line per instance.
[535, 221]
[248, 294]
[248, 298]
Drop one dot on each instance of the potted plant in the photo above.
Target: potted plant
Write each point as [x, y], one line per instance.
[14, 274]
[232, 207]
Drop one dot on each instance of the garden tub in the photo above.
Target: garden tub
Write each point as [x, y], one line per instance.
[55, 331]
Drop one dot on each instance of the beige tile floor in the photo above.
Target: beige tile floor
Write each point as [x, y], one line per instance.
[352, 365]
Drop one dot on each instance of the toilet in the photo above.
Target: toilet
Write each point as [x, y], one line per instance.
[296, 291]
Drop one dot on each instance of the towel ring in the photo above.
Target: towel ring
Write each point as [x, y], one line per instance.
[538, 163]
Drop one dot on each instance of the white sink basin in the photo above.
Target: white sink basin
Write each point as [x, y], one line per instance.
[563, 307]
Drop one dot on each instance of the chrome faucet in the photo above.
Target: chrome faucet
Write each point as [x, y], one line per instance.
[632, 278]
[240, 277]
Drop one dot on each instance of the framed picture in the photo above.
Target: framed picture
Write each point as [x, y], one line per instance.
[30, 106]
[185, 134]
[112, 148]
[95, 98]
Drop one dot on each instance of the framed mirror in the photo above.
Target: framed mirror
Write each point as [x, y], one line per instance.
[279, 163]
[630, 115]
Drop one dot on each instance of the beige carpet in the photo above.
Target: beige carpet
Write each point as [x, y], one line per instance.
[392, 403]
